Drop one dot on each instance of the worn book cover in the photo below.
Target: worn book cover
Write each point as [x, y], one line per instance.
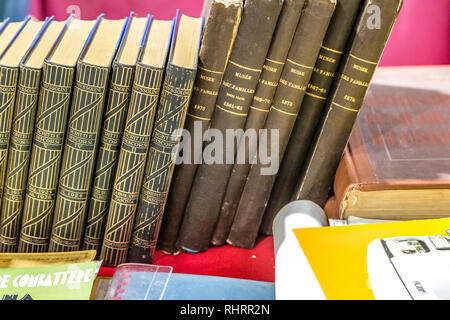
[136, 141]
[259, 109]
[396, 165]
[324, 72]
[22, 129]
[119, 93]
[48, 141]
[235, 96]
[364, 52]
[281, 119]
[218, 38]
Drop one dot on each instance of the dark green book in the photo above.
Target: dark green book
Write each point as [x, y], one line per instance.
[317, 92]
[119, 94]
[27, 95]
[236, 93]
[217, 41]
[259, 109]
[281, 119]
[171, 114]
[83, 135]
[48, 141]
[135, 143]
[364, 52]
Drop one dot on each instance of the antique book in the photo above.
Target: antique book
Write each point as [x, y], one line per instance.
[83, 135]
[217, 41]
[281, 119]
[396, 165]
[172, 109]
[241, 77]
[119, 94]
[136, 141]
[339, 30]
[22, 128]
[259, 109]
[48, 141]
[364, 51]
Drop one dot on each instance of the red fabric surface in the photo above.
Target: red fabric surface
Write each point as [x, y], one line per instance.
[227, 261]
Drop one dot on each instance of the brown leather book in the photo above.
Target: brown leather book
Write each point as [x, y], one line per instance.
[280, 122]
[236, 93]
[325, 70]
[352, 81]
[396, 165]
[259, 109]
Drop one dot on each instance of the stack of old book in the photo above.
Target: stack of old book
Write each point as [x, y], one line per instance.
[93, 155]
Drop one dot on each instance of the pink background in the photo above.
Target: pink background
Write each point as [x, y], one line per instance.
[421, 35]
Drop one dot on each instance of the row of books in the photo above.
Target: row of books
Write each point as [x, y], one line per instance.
[297, 67]
[90, 134]
[69, 92]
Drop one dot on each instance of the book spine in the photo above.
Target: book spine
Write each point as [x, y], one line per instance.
[235, 96]
[48, 142]
[83, 131]
[317, 92]
[283, 112]
[217, 41]
[131, 164]
[259, 109]
[19, 157]
[170, 117]
[108, 155]
[8, 86]
[368, 41]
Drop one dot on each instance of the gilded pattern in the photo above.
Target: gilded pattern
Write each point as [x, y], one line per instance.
[131, 164]
[19, 157]
[171, 115]
[48, 142]
[109, 150]
[77, 168]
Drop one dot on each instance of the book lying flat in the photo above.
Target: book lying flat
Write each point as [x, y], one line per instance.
[397, 164]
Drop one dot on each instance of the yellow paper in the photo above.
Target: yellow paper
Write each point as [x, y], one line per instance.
[338, 255]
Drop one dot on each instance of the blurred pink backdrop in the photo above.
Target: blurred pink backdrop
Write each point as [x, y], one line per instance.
[421, 35]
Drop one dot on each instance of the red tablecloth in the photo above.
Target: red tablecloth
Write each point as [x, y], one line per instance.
[256, 264]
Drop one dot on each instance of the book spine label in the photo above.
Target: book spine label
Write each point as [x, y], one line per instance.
[367, 44]
[317, 92]
[235, 96]
[19, 157]
[283, 112]
[218, 39]
[131, 164]
[170, 117]
[48, 142]
[259, 109]
[108, 155]
[83, 131]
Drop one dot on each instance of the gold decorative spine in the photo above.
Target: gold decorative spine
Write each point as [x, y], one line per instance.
[171, 116]
[77, 168]
[131, 164]
[109, 150]
[19, 157]
[48, 141]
